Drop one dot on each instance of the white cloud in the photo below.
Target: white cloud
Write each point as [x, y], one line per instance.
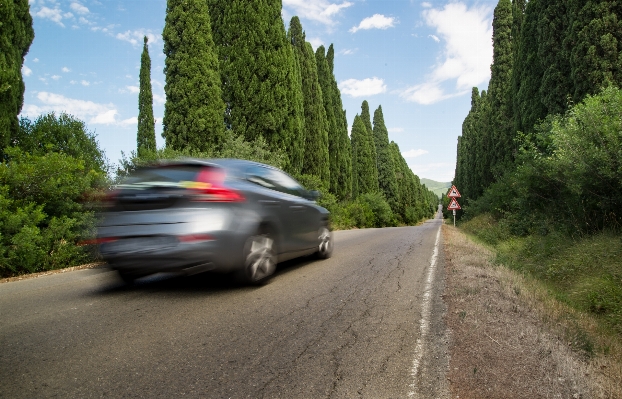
[132, 89]
[315, 42]
[55, 15]
[104, 118]
[435, 38]
[65, 69]
[85, 21]
[86, 110]
[85, 83]
[467, 55]
[35, 60]
[361, 88]
[395, 130]
[136, 37]
[55, 77]
[414, 153]
[425, 4]
[377, 21]
[347, 51]
[73, 82]
[129, 122]
[158, 99]
[79, 8]
[26, 71]
[322, 11]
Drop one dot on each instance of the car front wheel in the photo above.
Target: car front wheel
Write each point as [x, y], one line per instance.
[325, 243]
[259, 259]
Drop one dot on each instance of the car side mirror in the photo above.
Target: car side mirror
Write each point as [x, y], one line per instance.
[313, 195]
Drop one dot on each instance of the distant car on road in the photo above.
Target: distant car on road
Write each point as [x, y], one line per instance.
[223, 215]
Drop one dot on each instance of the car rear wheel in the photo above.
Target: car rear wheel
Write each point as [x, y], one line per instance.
[259, 258]
[325, 243]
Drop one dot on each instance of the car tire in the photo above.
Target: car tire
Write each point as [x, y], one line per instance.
[325, 243]
[259, 258]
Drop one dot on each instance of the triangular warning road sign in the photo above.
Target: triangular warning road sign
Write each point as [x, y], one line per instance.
[453, 192]
[453, 205]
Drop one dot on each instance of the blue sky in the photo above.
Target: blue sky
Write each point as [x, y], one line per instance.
[418, 59]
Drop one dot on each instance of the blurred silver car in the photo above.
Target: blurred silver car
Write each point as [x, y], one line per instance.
[223, 215]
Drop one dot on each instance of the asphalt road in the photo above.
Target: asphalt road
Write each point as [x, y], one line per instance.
[365, 323]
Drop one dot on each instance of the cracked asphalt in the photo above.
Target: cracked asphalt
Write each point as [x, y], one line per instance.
[345, 327]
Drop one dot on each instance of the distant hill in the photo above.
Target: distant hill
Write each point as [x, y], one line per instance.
[438, 188]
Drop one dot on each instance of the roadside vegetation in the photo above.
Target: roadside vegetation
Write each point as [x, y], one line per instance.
[538, 162]
[556, 217]
[511, 337]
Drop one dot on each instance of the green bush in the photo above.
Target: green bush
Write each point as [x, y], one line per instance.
[47, 178]
[568, 173]
[380, 209]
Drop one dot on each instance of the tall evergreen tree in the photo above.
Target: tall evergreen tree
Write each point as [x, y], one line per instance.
[364, 172]
[16, 35]
[595, 43]
[499, 89]
[316, 159]
[145, 139]
[194, 110]
[344, 147]
[386, 168]
[366, 119]
[324, 78]
[528, 70]
[554, 56]
[260, 85]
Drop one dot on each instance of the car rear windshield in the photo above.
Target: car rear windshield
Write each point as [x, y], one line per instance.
[173, 176]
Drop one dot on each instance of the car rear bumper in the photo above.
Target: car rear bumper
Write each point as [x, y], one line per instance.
[221, 252]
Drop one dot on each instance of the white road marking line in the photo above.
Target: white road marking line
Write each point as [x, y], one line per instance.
[425, 318]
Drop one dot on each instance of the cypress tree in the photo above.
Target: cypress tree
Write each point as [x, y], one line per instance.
[499, 90]
[366, 119]
[194, 110]
[554, 56]
[324, 78]
[595, 43]
[386, 168]
[407, 190]
[145, 139]
[528, 72]
[365, 178]
[260, 85]
[344, 147]
[316, 159]
[16, 35]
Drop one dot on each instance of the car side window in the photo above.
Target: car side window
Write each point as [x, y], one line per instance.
[260, 176]
[274, 179]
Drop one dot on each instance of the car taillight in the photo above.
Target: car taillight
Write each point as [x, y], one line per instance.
[209, 187]
[97, 241]
[195, 238]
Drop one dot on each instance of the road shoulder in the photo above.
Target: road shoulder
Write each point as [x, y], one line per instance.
[500, 347]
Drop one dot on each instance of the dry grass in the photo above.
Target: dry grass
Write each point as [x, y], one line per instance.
[510, 339]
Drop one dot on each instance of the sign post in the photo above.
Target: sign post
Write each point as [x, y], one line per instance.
[453, 205]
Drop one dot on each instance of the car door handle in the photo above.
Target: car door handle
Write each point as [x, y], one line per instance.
[297, 207]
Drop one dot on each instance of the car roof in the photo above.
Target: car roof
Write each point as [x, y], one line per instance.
[231, 164]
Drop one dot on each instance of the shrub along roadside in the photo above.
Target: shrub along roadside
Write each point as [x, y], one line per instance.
[47, 177]
[583, 272]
